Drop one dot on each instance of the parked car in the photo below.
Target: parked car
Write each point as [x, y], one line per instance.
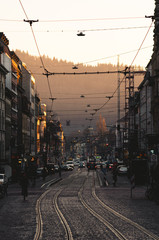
[119, 161]
[51, 168]
[122, 169]
[3, 179]
[70, 163]
[56, 167]
[3, 184]
[66, 167]
[76, 163]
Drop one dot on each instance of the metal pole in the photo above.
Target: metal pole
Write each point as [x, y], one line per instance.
[118, 106]
[118, 89]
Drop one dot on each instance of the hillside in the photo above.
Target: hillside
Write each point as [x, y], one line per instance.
[67, 90]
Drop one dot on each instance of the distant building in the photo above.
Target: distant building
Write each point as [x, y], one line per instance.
[145, 123]
[26, 109]
[5, 68]
[36, 120]
[154, 82]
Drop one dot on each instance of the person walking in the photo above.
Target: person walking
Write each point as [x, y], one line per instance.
[24, 185]
[103, 169]
[115, 174]
[59, 169]
[44, 172]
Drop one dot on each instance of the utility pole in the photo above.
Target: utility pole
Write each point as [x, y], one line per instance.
[118, 110]
[118, 89]
[129, 112]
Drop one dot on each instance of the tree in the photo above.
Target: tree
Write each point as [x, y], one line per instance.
[101, 127]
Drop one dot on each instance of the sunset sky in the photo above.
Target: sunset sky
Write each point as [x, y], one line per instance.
[111, 28]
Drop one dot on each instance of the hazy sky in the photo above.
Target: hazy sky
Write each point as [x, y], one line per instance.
[95, 17]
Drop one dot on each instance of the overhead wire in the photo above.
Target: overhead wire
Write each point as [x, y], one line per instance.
[49, 73]
[99, 59]
[129, 66]
[74, 20]
[111, 29]
[85, 30]
[31, 21]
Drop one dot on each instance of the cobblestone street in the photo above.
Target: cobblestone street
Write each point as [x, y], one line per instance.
[18, 217]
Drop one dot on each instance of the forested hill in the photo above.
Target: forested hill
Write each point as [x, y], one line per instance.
[67, 89]
[68, 84]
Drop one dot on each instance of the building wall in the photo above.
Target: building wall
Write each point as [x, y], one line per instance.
[2, 117]
[8, 125]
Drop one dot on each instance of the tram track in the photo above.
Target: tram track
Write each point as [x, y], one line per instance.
[61, 217]
[111, 211]
[114, 230]
[39, 221]
[125, 219]
[85, 202]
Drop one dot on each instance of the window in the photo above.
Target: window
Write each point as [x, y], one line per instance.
[14, 87]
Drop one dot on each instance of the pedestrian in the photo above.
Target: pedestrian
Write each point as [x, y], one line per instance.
[59, 170]
[103, 169]
[156, 183]
[44, 173]
[6, 188]
[24, 184]
[115, 174]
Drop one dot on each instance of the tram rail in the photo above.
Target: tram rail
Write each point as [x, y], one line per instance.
[62, 218]
[68, 233]
[114, 230]
[117, 214]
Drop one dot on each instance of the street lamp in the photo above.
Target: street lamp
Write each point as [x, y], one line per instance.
[109, 97]
[81, 34]
[74, 67]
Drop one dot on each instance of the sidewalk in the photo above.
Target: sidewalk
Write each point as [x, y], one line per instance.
[123, 183]
[17, 216]
[122, 180]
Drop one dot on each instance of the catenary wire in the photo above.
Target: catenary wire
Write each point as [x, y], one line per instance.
[37, 48]
[48, 73]
[73, 20]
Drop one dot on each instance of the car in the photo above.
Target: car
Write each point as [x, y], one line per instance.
[98, 165]
[70, 163]
[3, 179]
[56, 167]
[122, 169]
[51, 168]
[76, 163]
[81, 165]
[104, 164]
[91, 165]
[3, 184]
[110, 166]
[66, 167]
[119, 161]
